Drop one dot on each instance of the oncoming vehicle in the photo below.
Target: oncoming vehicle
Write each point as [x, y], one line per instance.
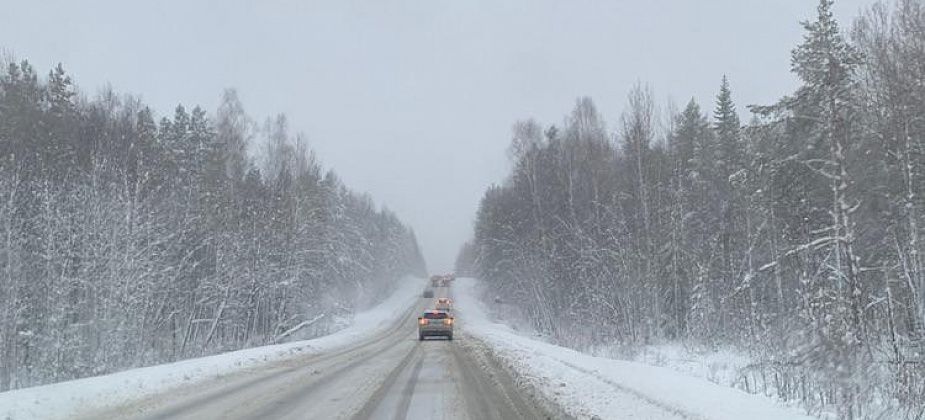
[444, 304]
[435, 323]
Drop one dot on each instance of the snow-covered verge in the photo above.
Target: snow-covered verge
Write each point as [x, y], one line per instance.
[723, 366]
[63, 399]
[587, 387]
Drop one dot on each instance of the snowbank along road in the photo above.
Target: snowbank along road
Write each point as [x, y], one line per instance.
[378, 369]
[390, 375]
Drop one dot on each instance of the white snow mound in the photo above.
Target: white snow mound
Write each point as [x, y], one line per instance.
[599, 388]
[64, 399]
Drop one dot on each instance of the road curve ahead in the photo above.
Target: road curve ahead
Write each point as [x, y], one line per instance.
[389, 376]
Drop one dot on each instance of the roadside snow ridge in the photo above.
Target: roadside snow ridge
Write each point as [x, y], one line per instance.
[65, 399]
[594, 387]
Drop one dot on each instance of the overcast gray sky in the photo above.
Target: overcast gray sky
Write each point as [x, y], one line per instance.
[412, 101]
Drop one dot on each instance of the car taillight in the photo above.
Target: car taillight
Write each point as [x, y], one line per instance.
[422, 321]
[448, 321]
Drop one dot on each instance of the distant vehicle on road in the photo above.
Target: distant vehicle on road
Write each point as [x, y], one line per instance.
[444, 280]
[444, 304]
[435, 323]
[428, 293]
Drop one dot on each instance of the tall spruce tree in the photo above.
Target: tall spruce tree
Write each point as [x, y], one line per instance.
[730, 150]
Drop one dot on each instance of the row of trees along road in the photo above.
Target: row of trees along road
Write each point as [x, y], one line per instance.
[796, 237]
[127, 241]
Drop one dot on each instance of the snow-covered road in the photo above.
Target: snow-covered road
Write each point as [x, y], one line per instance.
[377, 369]
[380, 371]
[391, 375]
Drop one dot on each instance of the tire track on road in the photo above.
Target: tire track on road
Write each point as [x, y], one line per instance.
[376, 399]
[408, 391]
[187, 399]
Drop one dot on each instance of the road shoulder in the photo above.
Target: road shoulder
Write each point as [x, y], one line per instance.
[587, 387]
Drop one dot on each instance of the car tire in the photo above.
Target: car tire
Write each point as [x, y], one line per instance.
[421, 337]
[450, 337]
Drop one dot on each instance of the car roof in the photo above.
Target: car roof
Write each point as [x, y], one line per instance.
[435, 311]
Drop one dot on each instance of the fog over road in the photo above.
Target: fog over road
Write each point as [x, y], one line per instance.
[391, 375]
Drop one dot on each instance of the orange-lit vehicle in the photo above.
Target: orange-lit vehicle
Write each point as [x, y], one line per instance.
[444, 304]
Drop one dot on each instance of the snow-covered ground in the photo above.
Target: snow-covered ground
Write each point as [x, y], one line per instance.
[594, 387]
[65, 398]
[723, 365]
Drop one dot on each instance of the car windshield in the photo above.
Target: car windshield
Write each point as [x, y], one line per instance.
[435, 315]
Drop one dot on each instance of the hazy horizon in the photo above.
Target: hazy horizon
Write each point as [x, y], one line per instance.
[433, 86]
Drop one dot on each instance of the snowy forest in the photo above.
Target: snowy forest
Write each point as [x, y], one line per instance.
[796, 237]
[130, 240]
